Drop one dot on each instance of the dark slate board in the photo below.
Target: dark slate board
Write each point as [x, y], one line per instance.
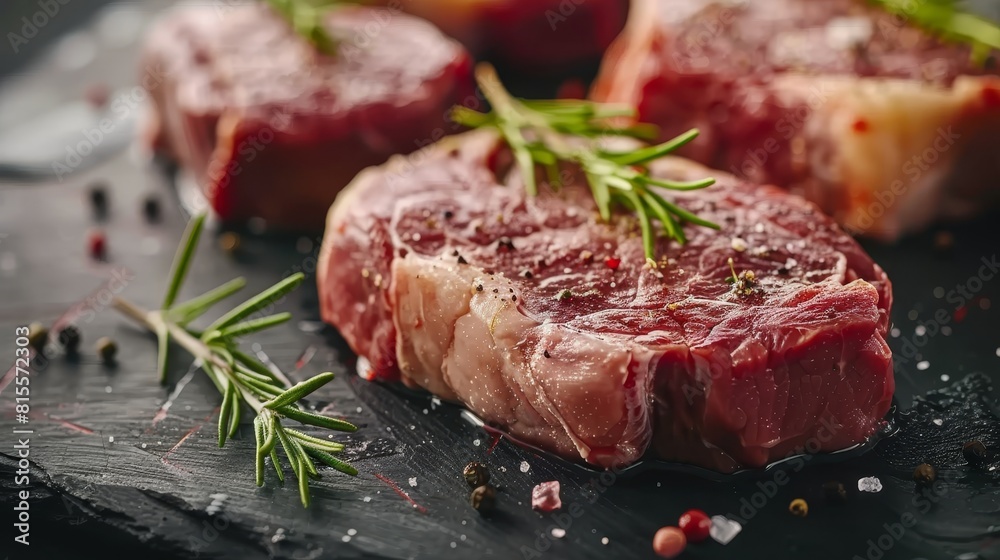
[167, 490]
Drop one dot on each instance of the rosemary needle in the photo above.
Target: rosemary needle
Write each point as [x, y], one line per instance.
[545, 133]
[947, 19]
[306, 18]
[241, 379]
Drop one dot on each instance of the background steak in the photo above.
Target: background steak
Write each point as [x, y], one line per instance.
[550, 324]
[272, 129]
[884, 127]
[528, 35]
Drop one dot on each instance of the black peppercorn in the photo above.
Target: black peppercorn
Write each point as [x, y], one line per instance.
[974, 452]
[546, 354]
[38, 336]
[476, 474]
[484, 498]
[106, 349]
[448, 214]
[151, 209]
[835, 492]
[924, 474]
[69, 339]
[99, 199]
[461, 260]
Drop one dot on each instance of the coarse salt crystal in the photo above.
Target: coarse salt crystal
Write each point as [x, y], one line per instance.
[870, 484]
[525, 467]
[545, 497]
[923, 365]
[723, 529]
[558, 533]
[413, 481]
[739, 244]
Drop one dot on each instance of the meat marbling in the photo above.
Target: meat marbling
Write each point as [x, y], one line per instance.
[885, 127]
[272, 129]
[440, 273]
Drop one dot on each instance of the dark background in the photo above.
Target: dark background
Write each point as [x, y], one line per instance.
[166, 490]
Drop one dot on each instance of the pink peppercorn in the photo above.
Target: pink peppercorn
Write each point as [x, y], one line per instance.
[669, 542]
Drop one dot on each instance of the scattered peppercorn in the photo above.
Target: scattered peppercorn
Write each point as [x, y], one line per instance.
[944, 242]
[99, 199]
[69, 339]
[835, 492]
[974, 452]
[38, 336]
[106, 349]
[612, 262]
[505, 243]
[924, 474]
[97, 245]
[513, 297]
[230, 242]
[151, 209]
[479, 287]
[97, 94]
[546, 353]
[565, 294]
[461, 260]
[669, 542]
[695, 524]
[484, 498]
[799, 507]
[526, 274]
[448, 214]
[476, 474]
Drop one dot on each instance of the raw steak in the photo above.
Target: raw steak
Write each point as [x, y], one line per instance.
[529, 35]
[884, 127]
[550, 325]
[272, 129]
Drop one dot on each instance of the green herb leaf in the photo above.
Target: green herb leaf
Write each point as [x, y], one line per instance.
[544, 133]
[240, 378]
[258, 431]
[333, 461]
[190, 310]
[318, 420]
[253, 325]
[258, 302]
[224, 413]
[299, 391]
[947, 20]
[182, 261]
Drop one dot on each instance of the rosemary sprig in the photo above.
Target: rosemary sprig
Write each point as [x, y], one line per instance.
[948, 20]
[242, 380]
[306, 18]
[546, 133]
